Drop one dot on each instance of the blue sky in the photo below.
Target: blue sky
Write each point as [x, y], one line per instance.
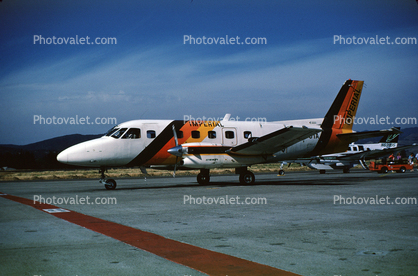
[151, 74]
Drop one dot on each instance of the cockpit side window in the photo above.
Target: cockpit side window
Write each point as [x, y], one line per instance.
[118, 133]
[132, 133]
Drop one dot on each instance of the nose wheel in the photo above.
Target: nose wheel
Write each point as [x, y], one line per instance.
[110, 184]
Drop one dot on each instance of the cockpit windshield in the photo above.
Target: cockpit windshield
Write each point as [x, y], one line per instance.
[118, 133]
[110, 131]
[132, 133]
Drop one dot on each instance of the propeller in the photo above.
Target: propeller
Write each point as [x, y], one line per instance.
[177, 150]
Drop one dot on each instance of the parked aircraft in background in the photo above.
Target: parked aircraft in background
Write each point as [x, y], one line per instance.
[204, 145]
[355, 154]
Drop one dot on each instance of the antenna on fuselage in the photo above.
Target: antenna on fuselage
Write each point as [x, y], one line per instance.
[226, 117]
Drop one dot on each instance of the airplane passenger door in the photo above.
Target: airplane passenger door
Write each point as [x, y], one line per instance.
[229, 136]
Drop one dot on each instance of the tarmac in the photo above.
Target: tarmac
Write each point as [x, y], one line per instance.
[302, 223]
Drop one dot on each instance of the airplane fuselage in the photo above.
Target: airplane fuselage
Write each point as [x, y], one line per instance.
[206, 143]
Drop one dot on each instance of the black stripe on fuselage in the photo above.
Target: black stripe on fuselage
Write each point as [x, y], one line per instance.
[155, 146]
[207, 150]
[322, 142]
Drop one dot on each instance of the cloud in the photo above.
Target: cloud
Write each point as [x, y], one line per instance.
[291, 81]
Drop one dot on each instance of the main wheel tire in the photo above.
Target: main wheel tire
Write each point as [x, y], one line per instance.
[384, 170]
[402, 170]
[281, 172]
[203, 179]
[246, 178]
[110, 184]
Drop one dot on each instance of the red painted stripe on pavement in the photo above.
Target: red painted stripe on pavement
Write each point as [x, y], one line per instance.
[206, 261]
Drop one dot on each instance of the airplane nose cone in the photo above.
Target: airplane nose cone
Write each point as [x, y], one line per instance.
[75, 155]
[62, 157]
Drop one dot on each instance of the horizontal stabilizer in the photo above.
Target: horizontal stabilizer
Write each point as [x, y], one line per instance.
[355, 136]
[374, 154]
[275, 141]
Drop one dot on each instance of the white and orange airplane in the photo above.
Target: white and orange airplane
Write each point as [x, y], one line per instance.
[204, 145]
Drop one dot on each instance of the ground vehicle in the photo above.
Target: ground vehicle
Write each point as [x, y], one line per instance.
[383, 166]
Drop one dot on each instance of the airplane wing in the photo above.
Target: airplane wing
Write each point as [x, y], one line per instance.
[354, 136]
[274, 142]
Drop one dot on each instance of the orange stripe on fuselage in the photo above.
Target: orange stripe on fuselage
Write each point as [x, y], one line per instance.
[164, 158]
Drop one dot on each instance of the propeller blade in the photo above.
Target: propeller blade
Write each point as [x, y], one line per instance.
[177, 151]
[175, 135]
[175, 168]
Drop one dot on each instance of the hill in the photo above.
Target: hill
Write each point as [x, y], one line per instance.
[39, 155]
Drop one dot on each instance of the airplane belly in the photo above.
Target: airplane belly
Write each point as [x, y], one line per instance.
[297, 150]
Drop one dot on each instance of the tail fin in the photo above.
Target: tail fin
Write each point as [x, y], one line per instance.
[343, 109]
[390, 138]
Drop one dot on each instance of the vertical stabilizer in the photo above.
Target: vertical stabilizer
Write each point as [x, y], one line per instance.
[339, 119]
[391, 138]
[344, 108]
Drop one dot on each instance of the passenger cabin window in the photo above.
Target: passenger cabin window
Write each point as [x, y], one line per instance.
[247, 134]
[118, 133]
[229, 134]
[355, 149]
[151, 134]
[212, 134]
[361, 148]
[195, 134]
[179, 134]
[132, 133]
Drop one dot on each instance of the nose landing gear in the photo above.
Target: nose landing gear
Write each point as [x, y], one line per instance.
[110, 184]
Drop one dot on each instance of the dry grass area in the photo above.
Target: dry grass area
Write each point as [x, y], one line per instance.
[25, 175]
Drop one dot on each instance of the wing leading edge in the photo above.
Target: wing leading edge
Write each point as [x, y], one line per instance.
[274, 142]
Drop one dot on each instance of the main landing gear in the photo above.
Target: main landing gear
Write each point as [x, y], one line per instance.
[245, 176]
[203, 177]
[110, 184]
